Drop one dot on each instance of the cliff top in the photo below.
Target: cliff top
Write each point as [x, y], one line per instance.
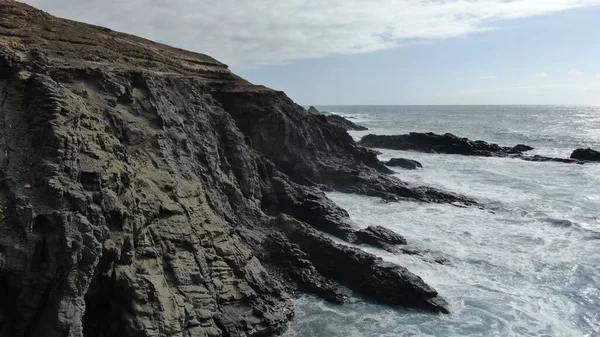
[62, 43]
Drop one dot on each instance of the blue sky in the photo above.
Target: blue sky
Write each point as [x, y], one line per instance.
[551, 59]
[379, 51]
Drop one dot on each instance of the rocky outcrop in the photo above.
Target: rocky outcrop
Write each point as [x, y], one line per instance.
[380, 237]
[586, 155]
[337, 120]
[447, 143]
[404, 163]
[313, 110]
[148, 191]
[344, 123]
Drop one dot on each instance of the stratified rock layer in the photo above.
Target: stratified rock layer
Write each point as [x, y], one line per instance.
[148, 191]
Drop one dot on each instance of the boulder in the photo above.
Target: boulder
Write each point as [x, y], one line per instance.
[408, 164]
[586, 154]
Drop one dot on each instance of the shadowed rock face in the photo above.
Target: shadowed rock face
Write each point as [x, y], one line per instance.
[447, 143]
[586, 154]
[148, 191]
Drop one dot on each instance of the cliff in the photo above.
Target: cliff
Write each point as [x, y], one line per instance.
[148, 191]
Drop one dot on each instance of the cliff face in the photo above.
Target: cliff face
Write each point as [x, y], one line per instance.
[148, 191]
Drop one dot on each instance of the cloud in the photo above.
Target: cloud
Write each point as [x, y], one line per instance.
[488, 77]
[575, 72]
[541, 75]
[597, 75]
[259, 32]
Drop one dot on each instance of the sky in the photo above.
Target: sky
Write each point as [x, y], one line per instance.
[359, 52]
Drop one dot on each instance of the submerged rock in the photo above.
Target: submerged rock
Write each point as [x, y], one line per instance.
[434, 143]
[586, 154]
[408, 164]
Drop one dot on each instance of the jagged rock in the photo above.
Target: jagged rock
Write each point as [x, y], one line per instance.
[586, 154]
[381, 237]
[344, 123]
[337, 120]
[363, 272]
[408, 164]
[143, 188]
[434, 143]
[313, 110]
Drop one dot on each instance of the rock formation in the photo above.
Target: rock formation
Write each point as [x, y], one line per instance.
[148, 191]
[586, 155]
[404, 163]
[447, 143]
[313, 110]
[345, 123]
[337, 120]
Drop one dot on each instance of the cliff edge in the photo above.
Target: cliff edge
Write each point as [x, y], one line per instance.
[148, 191]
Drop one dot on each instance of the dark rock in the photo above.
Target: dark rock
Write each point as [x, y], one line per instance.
[549, 159]
[380, 237]
[313, 110]
[408, 164]
[434, 143]
[363, 272]
[586, 154]
[147, 190]
[344, 123]
[520, 148]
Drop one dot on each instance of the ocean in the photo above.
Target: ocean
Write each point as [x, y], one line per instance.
[528, 264]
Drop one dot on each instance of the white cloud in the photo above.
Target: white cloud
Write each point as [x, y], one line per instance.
[575, 72]
[597, 75]
[258, 32]
[541, 75]
[487, 77]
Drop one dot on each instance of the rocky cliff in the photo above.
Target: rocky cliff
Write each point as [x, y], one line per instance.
[148, 191]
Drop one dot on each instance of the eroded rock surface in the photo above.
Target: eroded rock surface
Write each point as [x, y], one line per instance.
[148, 191]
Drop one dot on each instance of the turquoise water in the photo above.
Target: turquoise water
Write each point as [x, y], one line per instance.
[528, 267]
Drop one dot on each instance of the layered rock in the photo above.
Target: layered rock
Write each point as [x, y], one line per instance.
[148, 191]
[447, 143]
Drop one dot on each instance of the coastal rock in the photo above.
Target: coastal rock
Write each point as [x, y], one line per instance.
[586, 154]
[148, 191]
[369, 275]
[550, 159]
[380, 237]
[344, 123]
[408, 164]
[313, 110]
[434, 143]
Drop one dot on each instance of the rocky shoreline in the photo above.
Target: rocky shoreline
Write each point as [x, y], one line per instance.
[148, 191]
[451, 144]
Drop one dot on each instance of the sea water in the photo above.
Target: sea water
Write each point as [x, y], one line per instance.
[528, 264]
